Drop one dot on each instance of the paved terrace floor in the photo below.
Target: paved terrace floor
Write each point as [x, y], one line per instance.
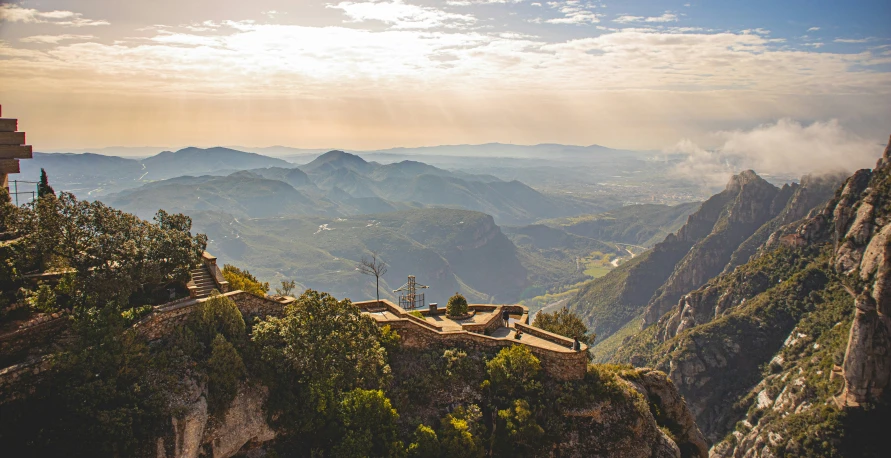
[506, 333]
[529, 339]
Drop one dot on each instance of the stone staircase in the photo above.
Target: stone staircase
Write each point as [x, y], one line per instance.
[203, 281]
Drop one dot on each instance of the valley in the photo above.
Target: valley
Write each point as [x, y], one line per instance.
[738, 299]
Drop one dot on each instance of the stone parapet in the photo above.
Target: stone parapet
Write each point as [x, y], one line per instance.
[560, 363]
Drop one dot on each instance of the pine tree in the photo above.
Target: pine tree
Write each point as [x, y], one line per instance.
[44, 188]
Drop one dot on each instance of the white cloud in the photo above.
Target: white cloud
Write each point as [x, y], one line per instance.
[345, 60]
[574, 12]
[55, 39]
[852, 40]
[401, 15]
[784, 148]
[665, 17]
[624, 19]
[479, 2]
[813, 29]
[14, 13]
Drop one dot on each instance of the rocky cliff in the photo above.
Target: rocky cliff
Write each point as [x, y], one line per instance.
[195, 433]
[750, 202]
[610, 302]
[789, 352]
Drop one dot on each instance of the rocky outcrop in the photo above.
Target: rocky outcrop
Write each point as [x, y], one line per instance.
[672, 411]
[734, 287]
[197, 433]
[627, 429]
[863, 240]
[813, 192]
[750, 202]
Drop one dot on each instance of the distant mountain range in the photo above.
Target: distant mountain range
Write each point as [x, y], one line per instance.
[334, 184]
[91, 175]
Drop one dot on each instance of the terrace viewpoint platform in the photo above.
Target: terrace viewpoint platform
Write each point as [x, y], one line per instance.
[485, 329]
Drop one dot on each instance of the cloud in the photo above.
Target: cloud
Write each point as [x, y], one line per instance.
[403, 16]
[574, 12]
[783, 148]
[852, 40]
[14, 13]
[55, 39]
[813, 29]
[480, 2]
[666, 17]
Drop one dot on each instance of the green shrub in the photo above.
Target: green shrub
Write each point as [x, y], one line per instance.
[43, 300]
[224, 370]
[565, 323]
[426, 443]
[457, 305]
[243, 280]
[459, 436]
[369, 423]
[218, 315]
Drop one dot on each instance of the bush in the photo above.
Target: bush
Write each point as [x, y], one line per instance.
[224, 370]
[43, 300]
[243, 280]
[218, 315]
[457, 305]
[319, 350]
[459, 437]
[369, 422]
[426, 443]
[565, 323]
[513, 371]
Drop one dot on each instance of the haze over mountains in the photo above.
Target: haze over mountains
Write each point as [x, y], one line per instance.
[242, 199]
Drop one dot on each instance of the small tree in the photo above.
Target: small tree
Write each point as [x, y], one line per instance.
[426, 444]
[460, 434]
[369, 424]
[224, 369]
[565, 323]
[457, 305]
[373, 266]
[243, 280]
[287, 288]
[44, 188]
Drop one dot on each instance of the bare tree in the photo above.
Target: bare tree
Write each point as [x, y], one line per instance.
[373, 266]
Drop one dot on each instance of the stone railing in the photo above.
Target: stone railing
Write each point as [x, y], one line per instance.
[549, 336]
[41, 331]
[560, 365]
[210, 261]
[419, 333]
[164, 318]
[21, 379]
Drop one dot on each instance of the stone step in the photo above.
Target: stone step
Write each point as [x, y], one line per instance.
[8, 166]
[9, 125]
[16, 152]
[12, 138]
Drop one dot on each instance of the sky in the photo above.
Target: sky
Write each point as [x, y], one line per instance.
[681, 76]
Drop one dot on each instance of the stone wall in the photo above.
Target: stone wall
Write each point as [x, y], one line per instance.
[15, 346]
[19, 380]
[560, 365]
[549, 336]
[165, 318]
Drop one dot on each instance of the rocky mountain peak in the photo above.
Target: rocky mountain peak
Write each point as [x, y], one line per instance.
[744, 178]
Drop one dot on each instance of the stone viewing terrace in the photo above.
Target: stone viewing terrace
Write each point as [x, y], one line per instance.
[485, 329]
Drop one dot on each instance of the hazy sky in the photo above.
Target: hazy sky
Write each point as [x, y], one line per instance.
[373, 74]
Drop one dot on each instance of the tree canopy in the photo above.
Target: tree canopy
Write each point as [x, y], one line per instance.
[565, 323]
[320, 349]
[243, 280]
